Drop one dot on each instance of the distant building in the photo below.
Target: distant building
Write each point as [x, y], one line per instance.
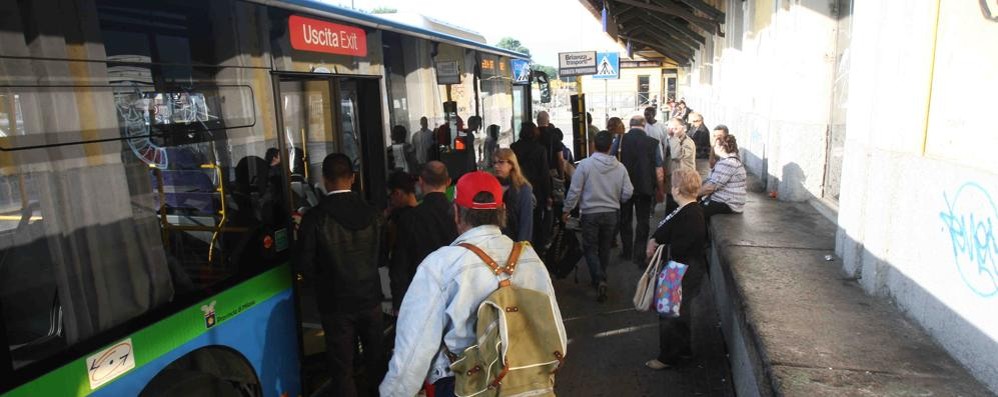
[641, 84]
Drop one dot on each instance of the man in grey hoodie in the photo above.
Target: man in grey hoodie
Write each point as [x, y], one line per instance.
[602, 184]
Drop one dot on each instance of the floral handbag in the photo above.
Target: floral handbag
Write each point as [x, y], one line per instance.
[669, 291]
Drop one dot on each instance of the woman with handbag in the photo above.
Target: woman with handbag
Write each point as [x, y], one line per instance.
[683, 232]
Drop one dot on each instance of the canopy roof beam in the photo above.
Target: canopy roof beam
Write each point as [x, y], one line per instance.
[670, 9]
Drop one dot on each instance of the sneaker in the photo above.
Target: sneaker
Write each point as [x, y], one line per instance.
[601, 292]
[657, 365]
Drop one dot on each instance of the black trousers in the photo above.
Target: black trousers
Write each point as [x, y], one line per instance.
[674, 333]
[543, 225]
[633, 239]
[341, 333]
[712, 207]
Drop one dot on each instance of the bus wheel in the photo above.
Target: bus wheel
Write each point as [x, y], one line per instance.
[208, 371]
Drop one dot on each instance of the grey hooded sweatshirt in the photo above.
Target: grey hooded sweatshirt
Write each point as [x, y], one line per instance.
[602, 183]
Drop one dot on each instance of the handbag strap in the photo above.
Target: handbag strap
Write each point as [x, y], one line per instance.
[655, 261]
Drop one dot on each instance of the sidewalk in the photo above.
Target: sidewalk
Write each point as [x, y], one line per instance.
[795, 326]
[609, 342]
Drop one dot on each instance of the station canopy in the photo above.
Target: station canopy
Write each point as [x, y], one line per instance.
[669, 30]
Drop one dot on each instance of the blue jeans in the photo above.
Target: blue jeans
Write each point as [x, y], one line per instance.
[597, 235]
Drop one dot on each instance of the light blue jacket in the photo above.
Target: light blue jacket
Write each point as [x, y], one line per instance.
[442, 305]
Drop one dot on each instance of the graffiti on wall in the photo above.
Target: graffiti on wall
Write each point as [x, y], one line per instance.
[971, 217]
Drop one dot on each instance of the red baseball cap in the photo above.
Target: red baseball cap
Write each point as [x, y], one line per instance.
[476, 182]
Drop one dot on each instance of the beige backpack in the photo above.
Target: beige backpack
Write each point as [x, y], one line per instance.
[519, 348]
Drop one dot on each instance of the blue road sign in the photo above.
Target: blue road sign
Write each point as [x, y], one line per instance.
[521, 71]
[607, 65]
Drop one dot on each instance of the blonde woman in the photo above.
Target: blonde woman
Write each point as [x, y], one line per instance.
[518, 196]
[684, 231]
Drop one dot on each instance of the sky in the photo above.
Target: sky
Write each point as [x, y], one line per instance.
[545, 27]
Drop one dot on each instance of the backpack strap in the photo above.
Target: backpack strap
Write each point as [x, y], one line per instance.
[491, 263]
[510, 267]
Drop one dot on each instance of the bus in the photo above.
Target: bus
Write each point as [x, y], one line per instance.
[154, 158]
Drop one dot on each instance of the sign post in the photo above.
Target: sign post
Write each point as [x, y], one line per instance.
[607, 68]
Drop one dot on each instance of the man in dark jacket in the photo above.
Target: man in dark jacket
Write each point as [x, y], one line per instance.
[701, 137]
[641, 157]
[338, 250]
[422, 230]
[533, 159]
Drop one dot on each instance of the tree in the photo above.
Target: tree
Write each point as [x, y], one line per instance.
[550, 71]
[512, 44]
[384, 10]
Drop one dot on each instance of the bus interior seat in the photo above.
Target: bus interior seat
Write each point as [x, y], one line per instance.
[191, 190]
[187, 186]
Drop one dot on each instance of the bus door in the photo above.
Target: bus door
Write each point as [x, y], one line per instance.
[320, 115]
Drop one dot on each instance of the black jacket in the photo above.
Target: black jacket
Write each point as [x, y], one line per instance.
[421, 230]
[553, 147]
[701, 137]
[338, 251]
[686, 235]
[637, 152]
[533, 158]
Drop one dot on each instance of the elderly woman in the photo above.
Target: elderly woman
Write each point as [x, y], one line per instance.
[724, 191]
[684, 231]
[518, 196]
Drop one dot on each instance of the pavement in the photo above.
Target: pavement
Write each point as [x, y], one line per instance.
[796, 326]
[609, 342]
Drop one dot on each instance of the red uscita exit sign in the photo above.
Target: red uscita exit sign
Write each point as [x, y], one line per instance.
[320, 36]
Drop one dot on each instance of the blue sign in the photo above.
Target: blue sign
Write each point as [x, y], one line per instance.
[521, 71]
[607, 65]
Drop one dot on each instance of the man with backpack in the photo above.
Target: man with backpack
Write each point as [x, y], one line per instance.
[456, 300]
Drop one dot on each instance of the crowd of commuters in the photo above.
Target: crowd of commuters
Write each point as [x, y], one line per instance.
[522, 193]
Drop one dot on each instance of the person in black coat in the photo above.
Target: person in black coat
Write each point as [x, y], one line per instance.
[684, 231]
[534, 164]
[422, 229]
[640, 155]
[338, 252]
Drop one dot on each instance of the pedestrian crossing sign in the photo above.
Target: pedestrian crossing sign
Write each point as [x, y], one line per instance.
[607, 65]
[521, 71]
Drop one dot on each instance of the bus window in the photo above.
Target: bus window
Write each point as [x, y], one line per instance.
[135, 182]
[314, 129]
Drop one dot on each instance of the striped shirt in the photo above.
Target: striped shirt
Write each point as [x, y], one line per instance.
[729, 177]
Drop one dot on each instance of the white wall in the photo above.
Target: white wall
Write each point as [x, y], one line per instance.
[918, 210]
[918, 213]
[773, 92]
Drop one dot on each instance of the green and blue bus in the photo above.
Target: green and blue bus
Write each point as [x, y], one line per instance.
[154, 160]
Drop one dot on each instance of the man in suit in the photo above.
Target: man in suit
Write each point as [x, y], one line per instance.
[641, 157]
